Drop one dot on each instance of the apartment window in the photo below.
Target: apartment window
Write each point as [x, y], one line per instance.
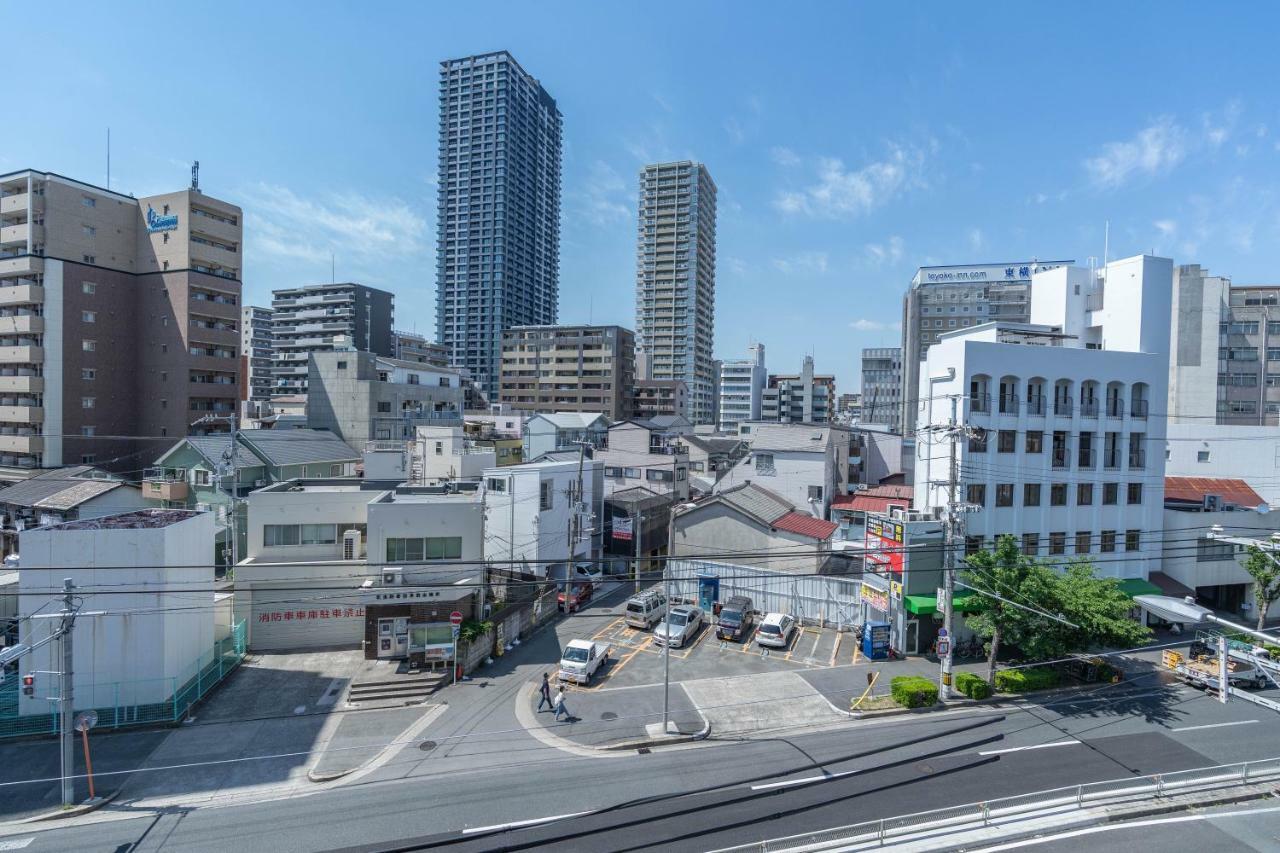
[1035, 441]
[498, 484]
[1110, 494]
[1082, 541]
[764, 461]
[1031, 494]
[1202, 456]
[1004, 494]
[1135, 493]
[416, 550]
[1031, 544]
[88, 202]
[972, 545]
[631, 473]
[88, 374]
[277, 535]
[88, 287]
[202, 477]
[88, 316]
[1058, 543]
[1058, 494]
[815, 493]
[88, 458]
[90, 259]
[1006, 441]
[978, 441]
[88, 230]
[384, 407]
[89, 346]
[976, 493]
[1209, 551]
[444, 381]
[1132, 538]
[439, 448]
[88, 402]
[1084, 494]
[1107, 542]
[546, 497]
[413, 379]
[88, 431]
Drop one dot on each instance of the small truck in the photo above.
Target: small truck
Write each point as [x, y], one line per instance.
[581, 660]
[1242, 671]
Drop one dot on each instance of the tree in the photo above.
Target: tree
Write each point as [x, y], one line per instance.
[1096, 607]
[1265, 571]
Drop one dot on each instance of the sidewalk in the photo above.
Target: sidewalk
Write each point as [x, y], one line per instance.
[602, 718]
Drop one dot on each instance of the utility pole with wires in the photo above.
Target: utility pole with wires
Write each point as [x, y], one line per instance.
[666, 592]
[66, 694]
[228, 464]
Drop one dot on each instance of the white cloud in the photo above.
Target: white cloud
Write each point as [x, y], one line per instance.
[285, 225]
[976, 240]
[1040, 198]
[1154, 150]
[1166, 227]
[1218, 130]
[737, 266]
[735, 131]
[840, 192]
[889, 251]
[784, 156]
[803, 263]
[862, 324]
[1241, 236]
[602, 197]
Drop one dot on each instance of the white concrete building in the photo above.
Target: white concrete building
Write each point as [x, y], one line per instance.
[155, 633]
[741, 384]
[539, 518]
[1064, 450]
[642, 453]
[445, 453]
[806, 464]
[546, 433]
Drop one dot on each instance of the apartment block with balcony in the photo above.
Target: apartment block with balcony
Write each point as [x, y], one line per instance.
[740, 388]
[568, 369]
[881, 401]
[676, 280]
[256, 336]
[322, 318]
[411, 346]
[119, 316]
[1063, 450]
[800, 398]
[656, 398]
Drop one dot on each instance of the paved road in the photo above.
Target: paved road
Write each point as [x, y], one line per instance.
[715, 794]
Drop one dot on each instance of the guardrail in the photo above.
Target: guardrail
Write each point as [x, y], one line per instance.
[983, 813]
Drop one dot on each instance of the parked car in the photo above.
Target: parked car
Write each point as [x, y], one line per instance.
[587, 573]
[776, 631]
[573, 598]
[581, 660]
[735, 620]
[680, 626]
[646, 609]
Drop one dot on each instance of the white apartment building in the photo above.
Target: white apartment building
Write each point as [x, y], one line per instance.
[322, 318]
[255, 360]
[446, 453]
[800, 398]
[806, 464]
[1063, 451]
[647, 454]
[539, 517]
[741, 385]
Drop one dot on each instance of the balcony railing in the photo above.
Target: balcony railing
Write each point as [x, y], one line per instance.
[1111, 460]
[1008, 404]
[980, 403]
[1060, 457]
[1137, 459]
[1115, 408]
[1089, 408]
[1035, 405]
[1086, 459]
[1062, 406]
[1139, 409]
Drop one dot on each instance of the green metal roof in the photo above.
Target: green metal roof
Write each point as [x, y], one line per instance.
[926, 605]
[1139, 586]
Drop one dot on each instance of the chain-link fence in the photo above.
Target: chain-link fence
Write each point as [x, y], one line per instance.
[113, 702]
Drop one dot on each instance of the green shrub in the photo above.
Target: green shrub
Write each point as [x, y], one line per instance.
[972, 685]
[1026, 680]
[914, 691]
[471, 630]
[1274, 651]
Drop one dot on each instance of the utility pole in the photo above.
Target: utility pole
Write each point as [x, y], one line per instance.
[666, 591]
[66, 696]
[637, 524]
[950, 538]
[228, 464]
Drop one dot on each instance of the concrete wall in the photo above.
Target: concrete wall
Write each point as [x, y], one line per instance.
[445, 515]
[1198, 301]
[715, 530]
[516, 528]
[345, 507]
[1183, 530]
[1250, 453]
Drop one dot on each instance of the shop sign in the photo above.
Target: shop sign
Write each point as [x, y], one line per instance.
[876, 599]
[309, 615]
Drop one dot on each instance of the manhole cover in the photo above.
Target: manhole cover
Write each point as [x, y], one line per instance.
[427, 745]
[608, 715]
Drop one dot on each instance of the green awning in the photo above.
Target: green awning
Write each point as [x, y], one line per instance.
[1139, 586]
[927, 605]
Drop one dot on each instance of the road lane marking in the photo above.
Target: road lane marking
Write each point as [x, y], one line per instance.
[16, 843]
[805, 781]
[1036, 746]
[518, 823]
[1213, 726]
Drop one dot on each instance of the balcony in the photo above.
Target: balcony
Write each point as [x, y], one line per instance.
[1088, 408]
[1137, 460]
[1062, 407]
[1061, 455]
[980, 403]
[21, 444]
[21, 355]
[1009, 404]
[1035, 406]
[21, 414]
[14, 235]
[165, 484]
[1115, 408]
[1139, 409]
[21, 384]
[1086, 459]
[1111, 460]
[22, 294]
[26, 265]
[14, 203]
[21, 324]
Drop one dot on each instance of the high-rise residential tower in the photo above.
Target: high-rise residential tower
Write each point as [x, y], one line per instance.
[498, 223]
[676, 279]
[255, 359]
[322, 318]
[882, 386]
[742, 383]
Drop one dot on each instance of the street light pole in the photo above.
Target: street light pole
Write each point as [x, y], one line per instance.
[949, 557]
[66, 696]
[666, 592]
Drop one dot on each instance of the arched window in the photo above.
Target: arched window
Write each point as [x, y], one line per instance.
[1008, 395]
[1089, 394]
[1138, 400]
[1115, 399]
[1062, 397]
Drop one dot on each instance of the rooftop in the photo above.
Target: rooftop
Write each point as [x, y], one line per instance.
[137, 520]
[60, 488]
[1230, 492]
[806, 525]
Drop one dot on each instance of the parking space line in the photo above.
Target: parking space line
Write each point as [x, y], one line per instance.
[855, 653]
[605, 630]
[817, 638]
[835, 652]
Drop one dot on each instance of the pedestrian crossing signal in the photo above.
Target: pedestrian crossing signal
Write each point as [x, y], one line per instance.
[28, 685]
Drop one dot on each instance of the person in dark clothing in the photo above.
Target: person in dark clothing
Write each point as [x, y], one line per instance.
[546, 693]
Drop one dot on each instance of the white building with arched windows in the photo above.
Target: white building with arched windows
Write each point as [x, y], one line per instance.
[1064, 447]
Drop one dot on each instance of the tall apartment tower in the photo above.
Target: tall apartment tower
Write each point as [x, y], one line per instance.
[741, 385]
[119, 320]
[945, 298]
[324, 317]
[498, 224]
[676, 279]
[255, 358]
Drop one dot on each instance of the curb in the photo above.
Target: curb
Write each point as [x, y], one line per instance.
[646, 743]
[428, 715]
[74, 811]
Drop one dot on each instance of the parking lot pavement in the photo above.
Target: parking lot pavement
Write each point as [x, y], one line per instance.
[605, 717]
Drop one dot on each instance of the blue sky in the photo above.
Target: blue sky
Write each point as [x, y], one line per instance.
[850, 142]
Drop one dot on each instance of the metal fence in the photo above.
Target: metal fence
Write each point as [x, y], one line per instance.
[828, 601]
[979, 814]
[113, 702]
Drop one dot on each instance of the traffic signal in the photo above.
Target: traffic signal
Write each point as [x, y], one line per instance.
[29, 684]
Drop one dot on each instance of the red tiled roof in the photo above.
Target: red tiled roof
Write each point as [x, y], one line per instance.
[1194, 490]
[868, 503]
[806, 525]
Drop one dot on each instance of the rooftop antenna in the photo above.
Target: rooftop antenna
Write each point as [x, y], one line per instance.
[1106, 242]
[195, 176]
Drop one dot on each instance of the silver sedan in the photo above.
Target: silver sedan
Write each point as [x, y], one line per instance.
[680, 626]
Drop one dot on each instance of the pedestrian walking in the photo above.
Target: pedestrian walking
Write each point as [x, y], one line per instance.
[560, 707]
[546, 694]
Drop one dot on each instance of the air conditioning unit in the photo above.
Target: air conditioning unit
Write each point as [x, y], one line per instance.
[1212, 503]
[351, 545]
[392, 577]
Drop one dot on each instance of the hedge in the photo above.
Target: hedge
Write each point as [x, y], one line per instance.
[972, 686]
[914, 691]
[1025, 680]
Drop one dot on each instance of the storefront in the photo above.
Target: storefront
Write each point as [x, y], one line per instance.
[903, 558]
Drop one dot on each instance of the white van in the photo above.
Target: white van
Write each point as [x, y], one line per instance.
[646, 609]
